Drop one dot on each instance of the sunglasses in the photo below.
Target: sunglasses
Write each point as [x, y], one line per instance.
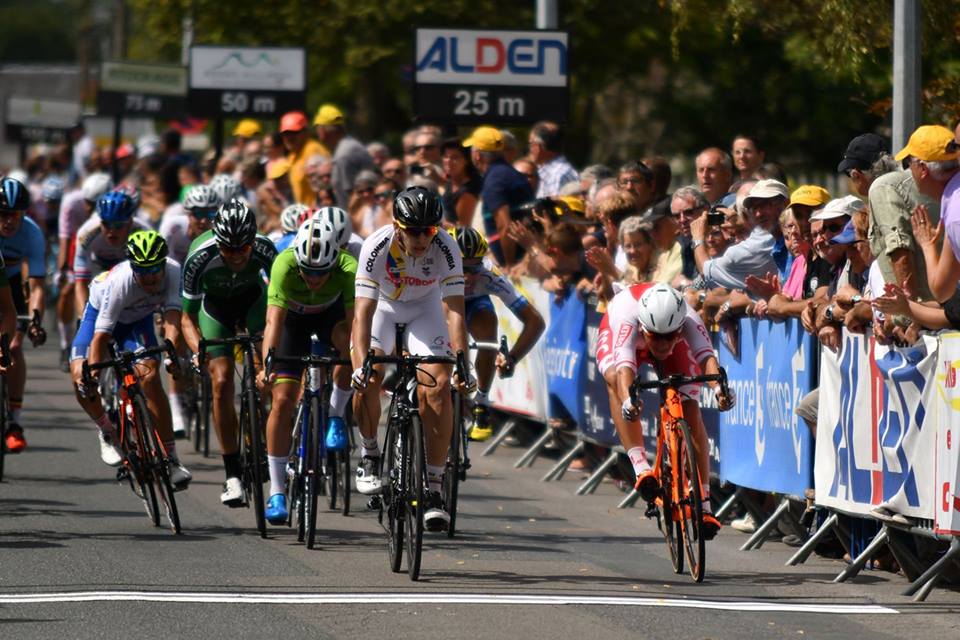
[662, 337]
[692, 211]
[116, 225]
[420, 231]
[835, 227]
[423, 147]
[147, 271]
[314, 273]
[364, 190]
[8, 213]
[384, 195]
[204, 214]
[629, 181]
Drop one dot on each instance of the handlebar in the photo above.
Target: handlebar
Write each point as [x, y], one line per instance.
[33, 321]
[242, 339]
[373, 359]
[676, 381]
[127, 358]
[309, 361]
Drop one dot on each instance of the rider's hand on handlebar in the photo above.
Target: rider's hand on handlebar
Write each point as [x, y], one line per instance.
[263, 381]
[467, 385]
[37, 334]
[629, 411]
[359, 379]
[505, 365]
[725, 402]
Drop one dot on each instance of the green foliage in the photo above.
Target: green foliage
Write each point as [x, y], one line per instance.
[37, 31]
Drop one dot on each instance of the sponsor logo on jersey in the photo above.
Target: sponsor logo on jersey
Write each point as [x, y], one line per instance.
[376, 251]
[624, 334]
[447, 255]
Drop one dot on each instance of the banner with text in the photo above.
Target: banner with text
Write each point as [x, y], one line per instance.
[564, 351]
[947, 487]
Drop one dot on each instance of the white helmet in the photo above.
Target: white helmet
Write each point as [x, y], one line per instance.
[661, 309]
[95, 185]
[339, 224]
[226, 187]
[315, 246]
[290, 217]
[201, 196]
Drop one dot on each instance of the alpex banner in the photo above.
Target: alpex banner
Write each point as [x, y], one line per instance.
[563, 354]
[873, 444]
[765, 445]
[947, 487]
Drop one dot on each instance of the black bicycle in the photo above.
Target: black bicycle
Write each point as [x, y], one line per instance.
[312, 468]
[198, 402]
[5, 362]
[251, 446]
[403, 466]
[146, 465]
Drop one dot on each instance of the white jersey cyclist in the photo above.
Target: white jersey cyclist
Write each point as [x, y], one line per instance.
[119, 299]
[490, 281]
[94, 254]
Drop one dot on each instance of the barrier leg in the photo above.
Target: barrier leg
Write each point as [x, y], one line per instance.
[630, 500]
[905, 557]
[756, 540]
[590, 484]
[861, 560]
[505, 431]
[923, 585]
[730, 503]
[804, 552]
[557, 471]
[531, 454]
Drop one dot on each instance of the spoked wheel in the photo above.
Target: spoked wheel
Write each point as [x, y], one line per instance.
[337, 474]
[669, 527]
[295, 504]
[206, 397]
[3, 424]
[313, 471]
[156, 468]
[415, 479]
[452, 474]
[161, 478]
[394, 452]
[691, 506]
[254, 457]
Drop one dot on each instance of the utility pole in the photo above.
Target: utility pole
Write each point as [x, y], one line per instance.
[907, 113]
[119, 49]
[547, 14]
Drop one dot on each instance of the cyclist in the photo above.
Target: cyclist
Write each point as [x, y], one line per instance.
[227, 187]
[481, 280]
[101, 241]
[410, 272]
[223, 287]
[651, 323]
[75, 208]
[339, 222]
[311, 292]
[21, 243]
[121, 307]
[290, 220]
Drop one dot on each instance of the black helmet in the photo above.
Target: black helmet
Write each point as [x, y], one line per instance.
[14, 195]
[235, 225]
[417, 207]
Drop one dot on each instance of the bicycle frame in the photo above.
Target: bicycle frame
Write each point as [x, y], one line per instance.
[671, 411]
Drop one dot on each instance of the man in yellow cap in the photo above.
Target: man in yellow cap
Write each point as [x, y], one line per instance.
[932, 154]
[893, 197]
[350, 157]
[504, 188]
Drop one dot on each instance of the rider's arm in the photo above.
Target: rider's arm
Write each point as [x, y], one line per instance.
[62, 255]
[37, 299]
[171, 325]
[533, 326]
[625, 378]
[456, 322]
[363, 310]
[271, 332]
[191, 331]
[98, 347]
[81, 292]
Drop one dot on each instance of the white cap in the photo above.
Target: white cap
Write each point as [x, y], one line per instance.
[839, 207]
[768, 188]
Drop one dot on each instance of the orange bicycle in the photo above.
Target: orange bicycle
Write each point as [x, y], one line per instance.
[678, 506]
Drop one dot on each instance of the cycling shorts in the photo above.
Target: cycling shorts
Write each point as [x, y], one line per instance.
[477, 304]
[295, 338]
[129, 337]
[679, 361]
[426, 333]
[218, 318]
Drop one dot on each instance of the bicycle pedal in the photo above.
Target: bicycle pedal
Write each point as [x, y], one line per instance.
[122, 474]
[652, 511]
[374, 503]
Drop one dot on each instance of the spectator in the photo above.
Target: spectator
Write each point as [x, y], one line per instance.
[866, 159]
[349, 156]
[932, 153]
[379, 153]
[545, 144]
[636, 177]
[462, 187]
[664, 230]
[528, 168]
[593, 174]
[245, 131]
[426, 147]
[409, 155]
[662, 176]
[504, 189]
[688, 204]
[511, 146]
[363, 206]
[252, 175]
[394, 170]
[806, 199]
[273, 148]
[274, 195]
[637, 242]
[748, 156]
[714, 173]
[82, 149]
[253, 150]
[752, 256]
[319, 170]
[296, 139]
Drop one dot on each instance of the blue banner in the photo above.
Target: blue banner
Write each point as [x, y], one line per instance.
[563, 354]
[765, 445]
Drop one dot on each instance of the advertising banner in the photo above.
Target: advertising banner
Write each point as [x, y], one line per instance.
[246, 81]
[765, 445]
[137, 89]
[564, 352]
[40, 119]
[947, 487]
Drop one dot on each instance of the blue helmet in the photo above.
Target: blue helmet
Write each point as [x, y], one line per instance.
[115, 206]
[14, 195]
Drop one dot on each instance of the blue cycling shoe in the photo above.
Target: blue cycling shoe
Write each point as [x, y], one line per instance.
[276, 512]
[336, 434]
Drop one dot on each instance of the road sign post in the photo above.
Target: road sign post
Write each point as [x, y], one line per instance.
[479, 76]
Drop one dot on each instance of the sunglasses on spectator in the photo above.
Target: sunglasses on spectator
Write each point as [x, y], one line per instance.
[147, 271]
[662, 337]
[628, 181]
[692, 211]
[364, 190]
[115, 225]
[423, 147]
[835, 227]
[204, 214]
[384, 195]
[420, 231]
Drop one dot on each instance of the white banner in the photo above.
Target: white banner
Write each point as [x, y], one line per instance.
[947, 514]
[874, 442]
[525, 393]
[250, 68]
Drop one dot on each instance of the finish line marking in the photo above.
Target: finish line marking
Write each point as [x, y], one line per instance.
[201, 597]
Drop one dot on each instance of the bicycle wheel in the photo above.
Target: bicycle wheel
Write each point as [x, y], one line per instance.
[156, 466]
[416, 481]
[206, 397]
[691, 505]
[314, 468]
[253, 439]
[668, 524]
[343, 479]
[142, 471]
[392, 493]
[451, 476]
[3, 423]
[295, 503]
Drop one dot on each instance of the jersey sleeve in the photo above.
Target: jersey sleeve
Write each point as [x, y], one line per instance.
[626, 330]
[501, 287]
[696, 336]
[276, 295]
[192, 279]
[174, 300]
[451, 266]
[371, 265]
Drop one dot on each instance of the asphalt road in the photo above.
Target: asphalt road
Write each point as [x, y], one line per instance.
[79, 559]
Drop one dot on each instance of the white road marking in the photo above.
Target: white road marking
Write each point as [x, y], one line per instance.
[200, 597]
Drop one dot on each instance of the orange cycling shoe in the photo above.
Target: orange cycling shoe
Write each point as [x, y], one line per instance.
[15, 441]
[647, 485]
[710, 527]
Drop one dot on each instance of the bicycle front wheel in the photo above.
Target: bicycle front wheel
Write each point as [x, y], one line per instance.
[314, 468]
[666, 509]
[156, 468]
[394, 452]
[451, 477]
[691, 505]
[416, 481]
[253, 441]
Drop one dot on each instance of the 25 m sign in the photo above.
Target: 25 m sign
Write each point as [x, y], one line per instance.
[477, 76]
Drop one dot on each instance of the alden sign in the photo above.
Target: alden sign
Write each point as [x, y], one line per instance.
[471, 76]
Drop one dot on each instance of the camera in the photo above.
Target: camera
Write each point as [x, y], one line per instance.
[715, 216]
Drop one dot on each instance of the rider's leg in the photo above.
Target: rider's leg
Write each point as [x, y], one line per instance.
[285, 394]
[65, 315]
[436, 411]
[225, 412]
[691, 413]
[483, 328]
[630, 432]
[341, 391]
[179, 387]
[366, 410]
[16, 377]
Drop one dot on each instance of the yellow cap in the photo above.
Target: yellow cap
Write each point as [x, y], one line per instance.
[574, 204]
[278, 168]
[485, 139]
[931, 143]
[247, 128]
[810, 195]
[328, 114]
